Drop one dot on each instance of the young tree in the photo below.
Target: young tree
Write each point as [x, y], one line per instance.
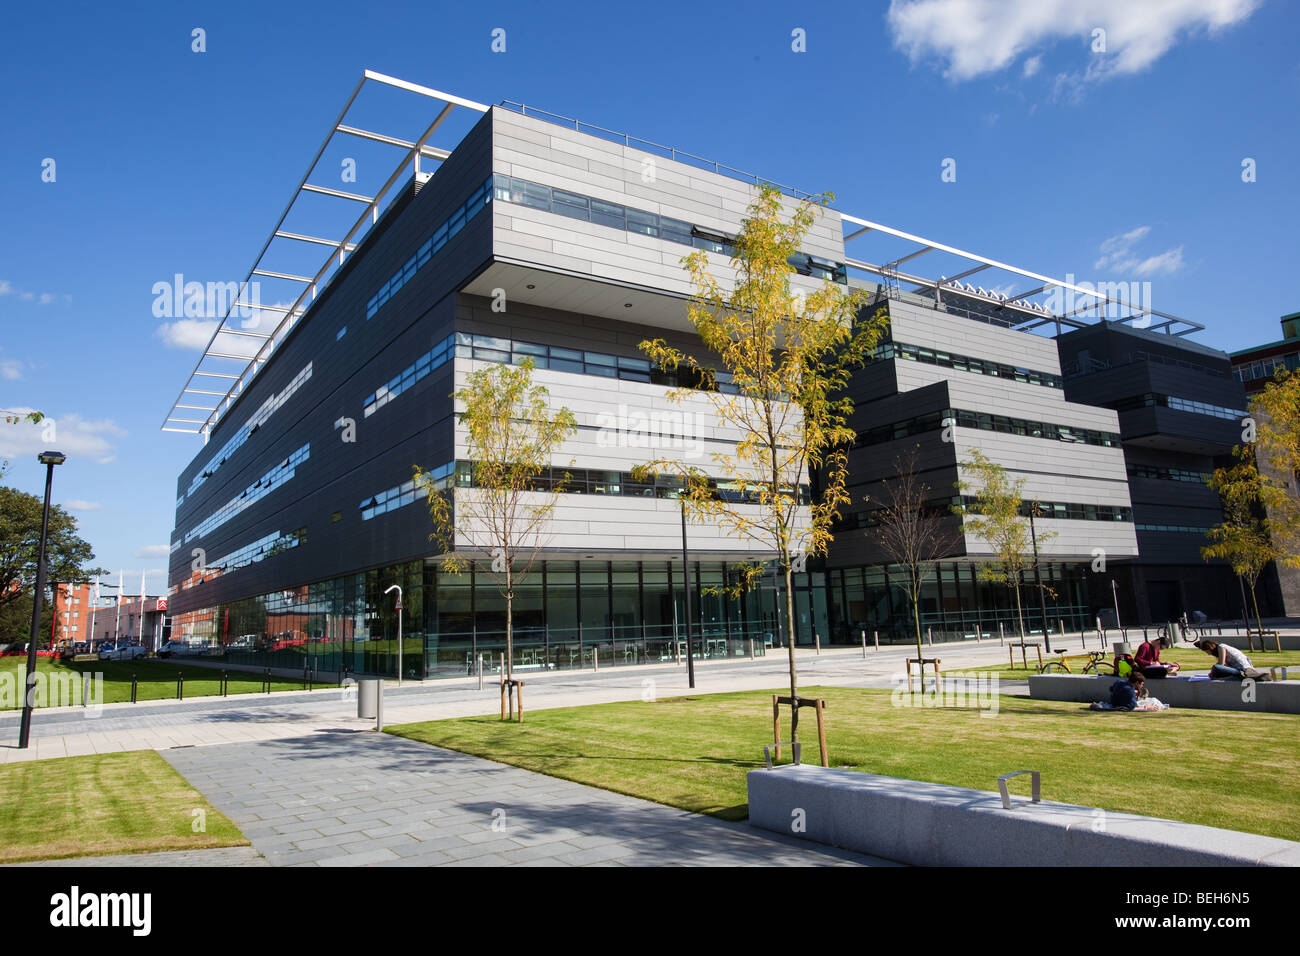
[513, 433]
[66, 556]
[787, 359]
[912, 533]
[997, 517]
[1245, 538]
[1275, 417]
[17, 417]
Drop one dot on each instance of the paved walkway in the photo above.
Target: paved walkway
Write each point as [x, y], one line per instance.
[356, 798]
[161, 725]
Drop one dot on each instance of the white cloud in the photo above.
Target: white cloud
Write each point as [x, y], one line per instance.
[11, 369]
[187, 333]
[194, 334]
[71, 434]
[153, 551]
[976, 37]
[1118, 254]
[77, 504]
[45, 298]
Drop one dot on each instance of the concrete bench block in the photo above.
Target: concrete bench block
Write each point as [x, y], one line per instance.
[929, 824]
[1269, 697]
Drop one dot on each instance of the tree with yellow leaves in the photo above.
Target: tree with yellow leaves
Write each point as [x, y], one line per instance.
[786, 357]
[506, 498]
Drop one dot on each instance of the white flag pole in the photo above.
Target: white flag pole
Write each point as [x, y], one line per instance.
[117, 620]
[142, 573]
[94, 603]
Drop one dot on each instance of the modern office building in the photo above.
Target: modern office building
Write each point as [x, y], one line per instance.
[953, 378]
[534, 237]
[1254, 368]
[1180, 415]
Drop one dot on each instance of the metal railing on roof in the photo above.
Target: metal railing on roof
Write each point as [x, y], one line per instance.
[649, 146]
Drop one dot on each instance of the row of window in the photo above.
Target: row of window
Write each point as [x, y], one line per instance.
[265, 547]
[255, 421]
[578, 481]
[1167, 474]
[488, 348]
[260, 489]
[431, 246]
[964, 363]
[983, 421]
[1053, 510]
[407, 377]
[390, 499]
[1173, 528]
[561, 202]
[1152, 400]
[1265, 368]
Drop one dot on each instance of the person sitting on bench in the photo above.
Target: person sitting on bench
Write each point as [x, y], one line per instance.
[1229, 663]
[1148, 660]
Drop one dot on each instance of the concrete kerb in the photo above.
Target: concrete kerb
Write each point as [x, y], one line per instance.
[927, 824]
[1265, 697]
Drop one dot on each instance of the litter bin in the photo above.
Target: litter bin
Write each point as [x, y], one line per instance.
[368, 691]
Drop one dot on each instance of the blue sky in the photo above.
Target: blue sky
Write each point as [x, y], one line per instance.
[1121, 164]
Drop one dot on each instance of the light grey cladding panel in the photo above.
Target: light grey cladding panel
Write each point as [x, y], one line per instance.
[937, 329]
[529, 147]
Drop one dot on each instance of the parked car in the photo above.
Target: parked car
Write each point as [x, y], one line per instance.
[181, 649]
[124, 652]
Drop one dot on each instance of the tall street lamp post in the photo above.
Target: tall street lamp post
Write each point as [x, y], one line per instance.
[686, 597]
[49, 459]
[1038, 581]
[398, 589]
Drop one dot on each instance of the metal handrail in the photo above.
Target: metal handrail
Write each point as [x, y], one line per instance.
[677, 155]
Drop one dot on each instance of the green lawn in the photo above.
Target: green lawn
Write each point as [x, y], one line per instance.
[104, 804]
[157, 680]
[1192, 660]
[1233, 770]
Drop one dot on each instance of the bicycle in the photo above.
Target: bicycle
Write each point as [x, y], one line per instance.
[1097, 664]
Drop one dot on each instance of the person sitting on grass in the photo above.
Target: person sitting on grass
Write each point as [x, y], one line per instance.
[1124, 694]
[1148, 660]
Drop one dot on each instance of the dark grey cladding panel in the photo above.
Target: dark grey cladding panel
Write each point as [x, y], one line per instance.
[1187, 383]
[387, 246]
[900, 407]
[871, 383]
[859, 547]
[416, 427]
[1169, 548]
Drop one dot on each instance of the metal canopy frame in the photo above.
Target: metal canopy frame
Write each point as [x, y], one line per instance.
[221, 342]
[1017, 311]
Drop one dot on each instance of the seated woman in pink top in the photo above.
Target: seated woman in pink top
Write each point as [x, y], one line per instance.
[1148, 660]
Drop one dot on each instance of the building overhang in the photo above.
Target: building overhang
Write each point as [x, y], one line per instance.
[582, 294]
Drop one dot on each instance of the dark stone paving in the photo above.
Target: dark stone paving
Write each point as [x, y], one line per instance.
[358, 798]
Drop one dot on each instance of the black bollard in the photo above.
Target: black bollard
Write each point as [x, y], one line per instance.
[180, 686]
[134, 684]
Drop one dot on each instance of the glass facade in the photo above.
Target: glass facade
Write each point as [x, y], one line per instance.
[567, 614]
[574, 614]
[955, 604]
